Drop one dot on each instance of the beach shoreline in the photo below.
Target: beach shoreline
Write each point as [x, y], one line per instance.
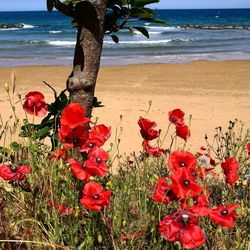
[213, 92]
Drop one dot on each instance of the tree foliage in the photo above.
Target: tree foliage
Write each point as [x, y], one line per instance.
[120, 14]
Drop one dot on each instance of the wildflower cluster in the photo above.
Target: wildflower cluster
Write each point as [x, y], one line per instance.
[161, 198]
[184, 184]
[75, 132]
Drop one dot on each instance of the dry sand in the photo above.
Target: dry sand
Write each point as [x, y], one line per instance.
[212, 92]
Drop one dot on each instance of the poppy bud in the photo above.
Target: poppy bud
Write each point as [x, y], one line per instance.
[155, 176]
[237, 211]
[77, 211]
[185, 217]
[99, 238]
[62, 167]
[190, 202]
[109, 184]
[6, 86]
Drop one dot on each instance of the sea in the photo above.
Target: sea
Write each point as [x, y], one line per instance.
[188, 35]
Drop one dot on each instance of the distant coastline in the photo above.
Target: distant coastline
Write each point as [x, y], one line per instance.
[45, 10]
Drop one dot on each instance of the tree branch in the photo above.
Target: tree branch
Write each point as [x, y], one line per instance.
[67, 10]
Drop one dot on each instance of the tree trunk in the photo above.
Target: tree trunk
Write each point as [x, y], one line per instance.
[81, 83]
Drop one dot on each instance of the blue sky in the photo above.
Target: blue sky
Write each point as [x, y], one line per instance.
[167, 4]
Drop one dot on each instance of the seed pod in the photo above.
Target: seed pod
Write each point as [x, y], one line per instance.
[99, 238]
[6, 86]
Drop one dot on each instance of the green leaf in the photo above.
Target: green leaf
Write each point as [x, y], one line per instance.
[74, 23]
[15, 146]
[50, 5]
[131, 29]
[4, 152]
[115, 38]
[64, 99]
[142, 12]
[45, 120]
[42, 133]
[96, 103]
[60, 102]
[143, 30]
[26, 130]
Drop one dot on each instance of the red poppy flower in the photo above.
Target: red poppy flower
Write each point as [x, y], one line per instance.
[89, 145]
[21, 172]
[34, 104]
[224, 215]
[202, 172]
[78, 171]
[184, 185]
[180, 160]
[94, 198]
[126, 236]
[73, 116]
[163, 193]
[183, 132]
[62, 209]
[182, 226]
[10, 175]
[248, 147]
[59, 154]
[155, 151]
[197, 206]
[147, 131]
[96, 162]
[6, 172]
[230, 167]
[176, 117]
[75, 137]
[98, 135]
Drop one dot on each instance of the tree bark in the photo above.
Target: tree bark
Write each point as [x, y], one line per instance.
[81, 83]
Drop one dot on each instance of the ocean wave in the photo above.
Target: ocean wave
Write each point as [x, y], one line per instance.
[32, 42]
[163, 28]
[62, 43]
[136, 32]
[22, 26]
[2, 29]
[55, 31]
[150, 42]
[27, 26]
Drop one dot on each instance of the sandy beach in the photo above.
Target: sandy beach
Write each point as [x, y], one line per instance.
[213, 92]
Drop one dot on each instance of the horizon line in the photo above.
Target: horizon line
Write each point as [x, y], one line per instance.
[235, 8]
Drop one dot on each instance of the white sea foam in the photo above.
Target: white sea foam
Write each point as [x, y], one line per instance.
[27, 26]
[163, 28]
[136, 32]
[62, 43]
[55, 31]
[151, 42]
[9, 29]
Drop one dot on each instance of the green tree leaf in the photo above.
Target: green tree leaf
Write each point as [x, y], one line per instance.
[50, 5]
[143, 30]
[115, 38]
